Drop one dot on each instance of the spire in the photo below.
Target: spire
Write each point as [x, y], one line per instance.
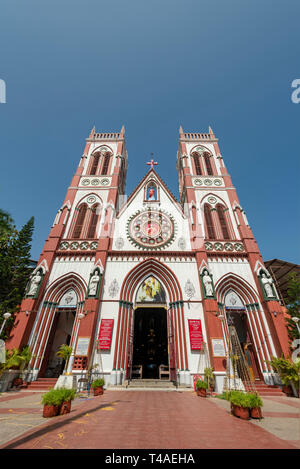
[92, 133]
[211, 131]
[180, 131]
[122, 133]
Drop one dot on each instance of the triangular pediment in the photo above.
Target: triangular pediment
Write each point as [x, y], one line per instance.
[162, 194]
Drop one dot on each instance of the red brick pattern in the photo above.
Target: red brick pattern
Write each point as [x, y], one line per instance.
[148, 420]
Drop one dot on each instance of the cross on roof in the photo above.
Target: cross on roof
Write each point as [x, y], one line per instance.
[152, 163]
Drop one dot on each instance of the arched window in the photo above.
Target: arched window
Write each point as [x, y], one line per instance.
[222, 220]
[197, 164]
[209, 222]
[79, 221]
[93, 221]
[95, 162]
[208, 164]
[105, 164]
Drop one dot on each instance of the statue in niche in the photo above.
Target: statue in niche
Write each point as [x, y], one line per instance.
[207, 283]
[151, 193]
[34, 284]
[94, 283]
[267, 284]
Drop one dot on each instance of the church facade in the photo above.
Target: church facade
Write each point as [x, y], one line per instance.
[146, 286]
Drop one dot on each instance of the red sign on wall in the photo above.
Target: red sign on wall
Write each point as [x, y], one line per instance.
[105, 334]
[196, 337]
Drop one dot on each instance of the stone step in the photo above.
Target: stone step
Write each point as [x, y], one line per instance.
[150, 384]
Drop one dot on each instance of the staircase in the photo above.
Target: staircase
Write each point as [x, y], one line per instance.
[264, 389]
[41, 384]
[145, 384]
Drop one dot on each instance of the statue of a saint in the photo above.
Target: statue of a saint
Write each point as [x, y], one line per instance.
[34, 284]
[208, 284]
[267, 283]
[94, 283]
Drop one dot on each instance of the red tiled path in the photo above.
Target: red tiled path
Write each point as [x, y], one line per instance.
[147, 420]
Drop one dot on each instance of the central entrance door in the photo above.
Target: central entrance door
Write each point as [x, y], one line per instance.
[150, 342]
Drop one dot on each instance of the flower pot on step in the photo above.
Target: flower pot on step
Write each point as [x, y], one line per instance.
[50, 410]
[256, 413]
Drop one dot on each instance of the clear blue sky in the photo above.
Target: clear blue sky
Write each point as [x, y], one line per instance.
[152, 65]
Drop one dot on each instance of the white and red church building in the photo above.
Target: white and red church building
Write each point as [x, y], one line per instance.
[143, 285]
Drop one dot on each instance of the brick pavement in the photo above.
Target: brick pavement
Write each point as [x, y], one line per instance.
[148, 420]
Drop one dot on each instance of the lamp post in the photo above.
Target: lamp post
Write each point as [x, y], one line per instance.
[6, 317]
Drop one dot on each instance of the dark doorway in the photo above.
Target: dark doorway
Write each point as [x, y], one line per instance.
[61, 331]
[150, 342]
[238, 319]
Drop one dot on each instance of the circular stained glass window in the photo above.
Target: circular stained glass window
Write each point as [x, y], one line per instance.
[151, 228]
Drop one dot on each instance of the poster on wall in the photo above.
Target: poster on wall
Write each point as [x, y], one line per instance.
[82, 346]
[196, 336]
[105, 334]
[218, 348]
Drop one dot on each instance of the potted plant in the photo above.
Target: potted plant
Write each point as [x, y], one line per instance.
[255, 404]
[97, 386]
[201, 387]
[65, 352]
[209, 378]
[240, 405]
[52, 401]
[288, 372]
[66, 397]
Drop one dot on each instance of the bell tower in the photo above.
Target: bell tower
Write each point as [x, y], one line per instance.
[222, 240]
[76, 250]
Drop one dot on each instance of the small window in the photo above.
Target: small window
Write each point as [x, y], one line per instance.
[209, 222]
[80, 221]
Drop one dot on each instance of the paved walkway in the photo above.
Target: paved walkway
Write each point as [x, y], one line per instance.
[145, 420]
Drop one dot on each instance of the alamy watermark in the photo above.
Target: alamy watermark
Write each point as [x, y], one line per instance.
[295, 97]
[2, 92]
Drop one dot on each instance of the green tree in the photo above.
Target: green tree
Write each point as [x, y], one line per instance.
[14, 265]
[292, 302]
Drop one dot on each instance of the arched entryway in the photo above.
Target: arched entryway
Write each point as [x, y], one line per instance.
[167, 307]
[56, 324]
[237, 321]
[60, 333]
[239, 304]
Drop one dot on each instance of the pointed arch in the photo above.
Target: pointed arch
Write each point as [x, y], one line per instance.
[209, 226]
[128, 291]
[257, 322]
[222, 220]
[79, 222]
[93, 222]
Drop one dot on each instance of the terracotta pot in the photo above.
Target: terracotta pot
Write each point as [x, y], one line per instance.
[50, 410]
[17, 382]
[256, 413]
[98, 391]
[240, 412]
[201, 392]
[65, 408]
[287, 390]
